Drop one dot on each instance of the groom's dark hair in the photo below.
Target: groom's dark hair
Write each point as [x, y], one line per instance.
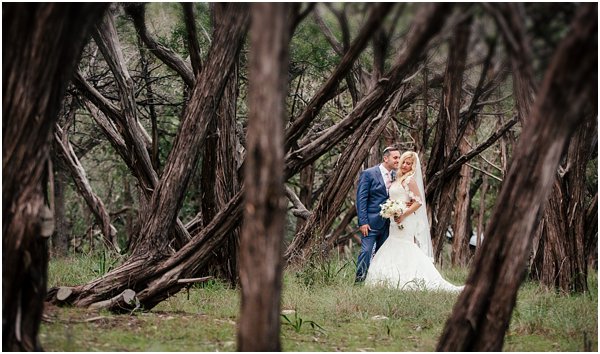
[387, 150]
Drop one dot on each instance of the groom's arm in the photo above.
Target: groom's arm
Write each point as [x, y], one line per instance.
[362, 198]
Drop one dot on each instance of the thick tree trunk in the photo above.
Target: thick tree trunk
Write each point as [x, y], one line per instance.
[560, 259]
[37, 63]
[462, 220]
[219, 181]
[447, 136]
[483, 310]
[261, 244]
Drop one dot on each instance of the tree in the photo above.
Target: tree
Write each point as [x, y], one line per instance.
[261, 242]
[447, 138]
[39, 58]
[482, 312]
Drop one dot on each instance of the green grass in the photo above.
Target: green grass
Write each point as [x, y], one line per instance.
[331, 314]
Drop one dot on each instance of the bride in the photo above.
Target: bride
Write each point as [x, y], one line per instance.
[405, 260]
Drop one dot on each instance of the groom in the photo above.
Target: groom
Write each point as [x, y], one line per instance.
[373, 186]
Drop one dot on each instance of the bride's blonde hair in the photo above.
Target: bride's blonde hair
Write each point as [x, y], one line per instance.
[407, 155]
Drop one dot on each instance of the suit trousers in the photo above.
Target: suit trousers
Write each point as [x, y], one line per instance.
[370, 245]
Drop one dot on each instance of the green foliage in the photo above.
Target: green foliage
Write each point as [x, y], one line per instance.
[296, 322]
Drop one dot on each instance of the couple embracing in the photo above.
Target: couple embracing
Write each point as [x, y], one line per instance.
[396, 246]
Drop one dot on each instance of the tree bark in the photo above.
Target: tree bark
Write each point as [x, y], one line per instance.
[61, 237]
[219, 169]
[85, 189]
[447, 136]
[482, 313]
[166, 55]
[560, 259]
[168, 195]
[38, 61]
[261, 244]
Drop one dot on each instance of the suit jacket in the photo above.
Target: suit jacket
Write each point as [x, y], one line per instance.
[370, 194]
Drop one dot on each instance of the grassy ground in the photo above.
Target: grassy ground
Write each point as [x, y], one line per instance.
[324, 312]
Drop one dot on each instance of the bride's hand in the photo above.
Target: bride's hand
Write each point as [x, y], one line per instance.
[398, 219]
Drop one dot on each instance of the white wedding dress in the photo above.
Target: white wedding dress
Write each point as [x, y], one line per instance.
[400, 263]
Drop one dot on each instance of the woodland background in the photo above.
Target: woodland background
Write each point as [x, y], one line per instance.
[197, 140]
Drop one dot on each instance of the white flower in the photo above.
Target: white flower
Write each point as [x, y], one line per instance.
[392, 208]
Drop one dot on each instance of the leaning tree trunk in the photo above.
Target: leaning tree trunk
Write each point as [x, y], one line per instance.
[560, 260]
[70, 159]
[38, 60]
[447, 136]
[168, 194]
[340, 182]
[261, 244]
[482, 313]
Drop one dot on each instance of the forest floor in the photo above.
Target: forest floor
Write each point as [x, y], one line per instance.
[324, 311]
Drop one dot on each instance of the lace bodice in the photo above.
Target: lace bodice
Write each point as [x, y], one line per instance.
[404, 192]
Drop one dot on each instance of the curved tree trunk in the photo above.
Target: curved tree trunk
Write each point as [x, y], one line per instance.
[261, 244]
[482, 313]
[38, 60]
[153, 243]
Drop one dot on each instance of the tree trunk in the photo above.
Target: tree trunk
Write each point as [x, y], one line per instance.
[560, 259]
[206, 95]
[38, 61]
[481, 217]
[446, 137]
[462, 209]
[483, 310]
[85, 189]
[61, 236]
[153, 242]
[219, 167]
[261, 266]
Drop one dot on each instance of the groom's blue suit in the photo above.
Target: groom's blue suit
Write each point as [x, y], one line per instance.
[371, 193]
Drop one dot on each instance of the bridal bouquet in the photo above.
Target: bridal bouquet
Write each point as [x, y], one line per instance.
[392, 208]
